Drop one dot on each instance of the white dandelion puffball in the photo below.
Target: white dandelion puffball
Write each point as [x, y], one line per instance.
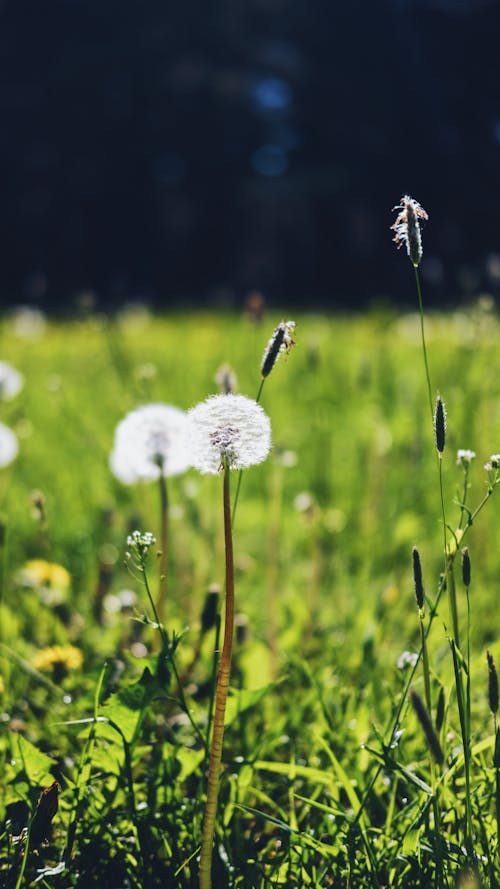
[148, 441]
[8, 445]
[11, 381]
[228, 429]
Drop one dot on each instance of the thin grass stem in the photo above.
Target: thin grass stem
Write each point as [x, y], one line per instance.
[163, 559]
[424, 346]
[240, 473]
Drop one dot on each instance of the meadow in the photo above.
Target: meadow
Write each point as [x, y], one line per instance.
[332, 775]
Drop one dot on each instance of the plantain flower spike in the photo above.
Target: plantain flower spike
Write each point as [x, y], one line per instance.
[407, 228]
[281, 341]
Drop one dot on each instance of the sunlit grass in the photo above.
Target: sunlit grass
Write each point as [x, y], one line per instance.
[317, 688]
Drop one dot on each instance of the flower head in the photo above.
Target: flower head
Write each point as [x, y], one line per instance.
[139, 543]
[8, 445]
[11, 381]
[281, 341]
[228, 430]
[407, 227]
[493, 462]
[226, 379]
[58, 659]
[148, 441]
[465, 457]
[440, 425]
[50, 580]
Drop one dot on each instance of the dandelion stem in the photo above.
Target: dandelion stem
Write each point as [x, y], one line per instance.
[220, 702]
[162, 584]
[424, 347]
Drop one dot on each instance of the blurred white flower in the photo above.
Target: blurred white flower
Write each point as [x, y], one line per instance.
[464, 456]
[150, 440]
[8, 445]
[28, 322]
[407, 659]
[11, 381]
[493, 462]
[228, 429]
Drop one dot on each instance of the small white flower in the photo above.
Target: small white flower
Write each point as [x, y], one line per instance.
[493, 462]
[11, 381]
[8, 445]
[407, 659]
[150, 440]
[464, 456]
[139, 543]
[228, 429]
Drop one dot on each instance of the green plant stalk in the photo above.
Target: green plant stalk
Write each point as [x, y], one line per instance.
[240, 474]
[394, 722]
[425, 664]
[465, 742]
[86, 760]
[424, 347]
[467, 685]
[464, 495]
[207, 840]
[496, 763]
[434, 785]
[163, 561]
[167, 649]
[448, 563]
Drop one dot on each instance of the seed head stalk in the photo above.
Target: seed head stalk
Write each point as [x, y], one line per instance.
[221, 692]
[163, 559]
[240, 473]
[422, 334]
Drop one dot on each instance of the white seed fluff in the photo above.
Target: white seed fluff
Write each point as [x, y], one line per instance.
[8, 445]
[150, 440]
[228, 429]
[11, 381]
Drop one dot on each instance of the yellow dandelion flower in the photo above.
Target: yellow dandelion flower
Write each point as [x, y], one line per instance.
[2, 685]
[51, 580]
[58, 660]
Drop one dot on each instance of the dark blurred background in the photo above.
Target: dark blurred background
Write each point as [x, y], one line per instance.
[188, 153]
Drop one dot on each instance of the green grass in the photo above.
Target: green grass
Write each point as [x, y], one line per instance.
[312, 793]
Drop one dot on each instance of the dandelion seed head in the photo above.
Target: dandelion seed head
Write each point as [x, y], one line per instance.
[148, 441]
[407, 227]
[11, 381]
[9, 447]
[228, 430]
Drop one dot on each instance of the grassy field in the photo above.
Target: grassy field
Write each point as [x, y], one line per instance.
[330, 775]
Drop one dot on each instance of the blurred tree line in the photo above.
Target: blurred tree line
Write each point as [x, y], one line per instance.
[191, 152]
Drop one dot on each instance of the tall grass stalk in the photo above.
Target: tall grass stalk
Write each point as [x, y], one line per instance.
[240, 473]
[163, 556]
[221, 692]
[424, 345]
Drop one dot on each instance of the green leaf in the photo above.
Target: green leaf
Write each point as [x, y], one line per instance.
[127, 706]
[240, 700]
